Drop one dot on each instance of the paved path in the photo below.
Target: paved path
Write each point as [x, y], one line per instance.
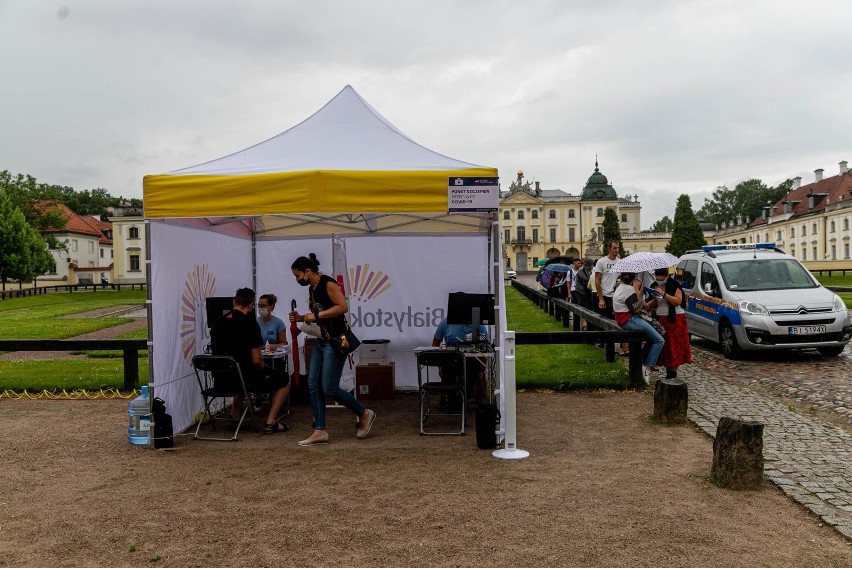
[810, 460]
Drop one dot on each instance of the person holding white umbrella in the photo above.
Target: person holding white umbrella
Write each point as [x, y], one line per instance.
[627, 305]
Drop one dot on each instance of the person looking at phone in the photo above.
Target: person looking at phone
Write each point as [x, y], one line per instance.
[672, 316]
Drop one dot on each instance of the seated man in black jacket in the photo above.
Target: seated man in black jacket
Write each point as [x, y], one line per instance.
[237, 334]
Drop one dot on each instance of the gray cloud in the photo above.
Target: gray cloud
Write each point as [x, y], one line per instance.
[675, 97]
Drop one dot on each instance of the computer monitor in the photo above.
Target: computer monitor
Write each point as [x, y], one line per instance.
[217, 306]
[470, 309]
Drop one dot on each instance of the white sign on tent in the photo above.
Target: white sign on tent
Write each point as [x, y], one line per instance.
[472, 194]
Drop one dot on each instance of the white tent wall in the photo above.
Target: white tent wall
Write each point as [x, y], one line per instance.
[397, 288]
[274, 259]
[189, 265]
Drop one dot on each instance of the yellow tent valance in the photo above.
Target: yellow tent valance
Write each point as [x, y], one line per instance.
[319, 191]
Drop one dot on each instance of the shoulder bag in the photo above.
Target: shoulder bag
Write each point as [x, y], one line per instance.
[343, 344]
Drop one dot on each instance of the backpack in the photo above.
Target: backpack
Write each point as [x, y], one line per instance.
[487, 418]
[163, 431]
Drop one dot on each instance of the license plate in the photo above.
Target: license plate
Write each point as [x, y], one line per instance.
[806, 329]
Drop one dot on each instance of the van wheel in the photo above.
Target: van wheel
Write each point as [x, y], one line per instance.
[831, 351]
[728, 340]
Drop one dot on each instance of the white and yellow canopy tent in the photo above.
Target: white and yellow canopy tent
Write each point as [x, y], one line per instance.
[374, 206]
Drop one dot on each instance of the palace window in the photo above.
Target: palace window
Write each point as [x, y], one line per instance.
[534, 214]
[520, 214]
[506, 215]
[133, 233]
[552, 214]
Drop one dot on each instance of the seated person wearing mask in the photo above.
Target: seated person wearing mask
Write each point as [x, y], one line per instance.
[272, 328]
[453, 334]
[237, 335]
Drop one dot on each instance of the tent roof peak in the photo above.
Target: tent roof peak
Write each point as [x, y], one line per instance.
[346, 133]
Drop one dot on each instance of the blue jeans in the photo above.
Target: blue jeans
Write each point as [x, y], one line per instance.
[653, 345]
[324, 381]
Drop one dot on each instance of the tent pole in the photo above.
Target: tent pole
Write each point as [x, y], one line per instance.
[149, 312]
[254, 254]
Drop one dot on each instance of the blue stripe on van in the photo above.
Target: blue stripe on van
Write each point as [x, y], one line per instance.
[712, 308]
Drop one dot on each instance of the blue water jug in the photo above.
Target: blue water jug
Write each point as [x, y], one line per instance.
[139, 414]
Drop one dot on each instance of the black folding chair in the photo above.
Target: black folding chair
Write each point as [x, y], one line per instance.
[220, 376]
[450, 388]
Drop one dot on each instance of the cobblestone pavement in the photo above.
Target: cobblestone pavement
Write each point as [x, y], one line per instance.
[811, 381]
[808, 458]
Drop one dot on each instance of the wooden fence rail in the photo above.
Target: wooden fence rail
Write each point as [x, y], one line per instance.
[130, 347]
[23, 292]
[599, 330]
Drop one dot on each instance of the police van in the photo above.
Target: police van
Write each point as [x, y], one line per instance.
[756, 297]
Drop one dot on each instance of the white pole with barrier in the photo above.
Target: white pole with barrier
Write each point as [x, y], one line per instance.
[509, 450]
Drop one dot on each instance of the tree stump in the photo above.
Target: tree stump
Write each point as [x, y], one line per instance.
[671, 399]
[738, 454]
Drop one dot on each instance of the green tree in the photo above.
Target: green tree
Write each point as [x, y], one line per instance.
[746, 200]
[23, 252]
[611, 231]
[24, 192]
[664, 225]
[686, 233]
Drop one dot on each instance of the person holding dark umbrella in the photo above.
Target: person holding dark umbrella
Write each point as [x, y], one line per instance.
[328, 306]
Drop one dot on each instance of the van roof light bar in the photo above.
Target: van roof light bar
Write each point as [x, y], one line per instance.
[741, 246]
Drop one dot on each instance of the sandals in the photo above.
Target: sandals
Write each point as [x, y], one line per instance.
[275, 428]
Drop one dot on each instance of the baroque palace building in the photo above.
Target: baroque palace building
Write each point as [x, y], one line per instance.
[543, 223]
[813, 222]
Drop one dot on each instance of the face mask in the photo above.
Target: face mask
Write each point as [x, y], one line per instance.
[263, 312]
[303, 282]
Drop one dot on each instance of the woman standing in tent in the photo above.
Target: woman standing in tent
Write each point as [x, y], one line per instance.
[327, 304]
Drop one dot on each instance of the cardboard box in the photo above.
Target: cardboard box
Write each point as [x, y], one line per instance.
[374, 382]
[373, 353]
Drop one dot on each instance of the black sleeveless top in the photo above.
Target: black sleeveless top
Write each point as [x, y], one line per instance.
[320, 300]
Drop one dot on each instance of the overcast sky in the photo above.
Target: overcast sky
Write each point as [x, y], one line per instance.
[673, 96]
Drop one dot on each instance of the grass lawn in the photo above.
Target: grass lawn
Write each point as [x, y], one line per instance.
[43, 316]
[835, 279]
[67, 374]
[561, 367]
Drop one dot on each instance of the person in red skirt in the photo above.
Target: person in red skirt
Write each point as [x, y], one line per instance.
[672, 317]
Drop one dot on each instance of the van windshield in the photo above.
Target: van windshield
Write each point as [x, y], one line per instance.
[768, 274]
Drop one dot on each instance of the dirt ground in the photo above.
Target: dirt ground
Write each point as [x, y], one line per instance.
[602, 487]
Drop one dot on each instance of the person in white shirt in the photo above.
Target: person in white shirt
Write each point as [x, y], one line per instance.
[605, 281]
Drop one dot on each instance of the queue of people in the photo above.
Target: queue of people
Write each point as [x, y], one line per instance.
[624, 297]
